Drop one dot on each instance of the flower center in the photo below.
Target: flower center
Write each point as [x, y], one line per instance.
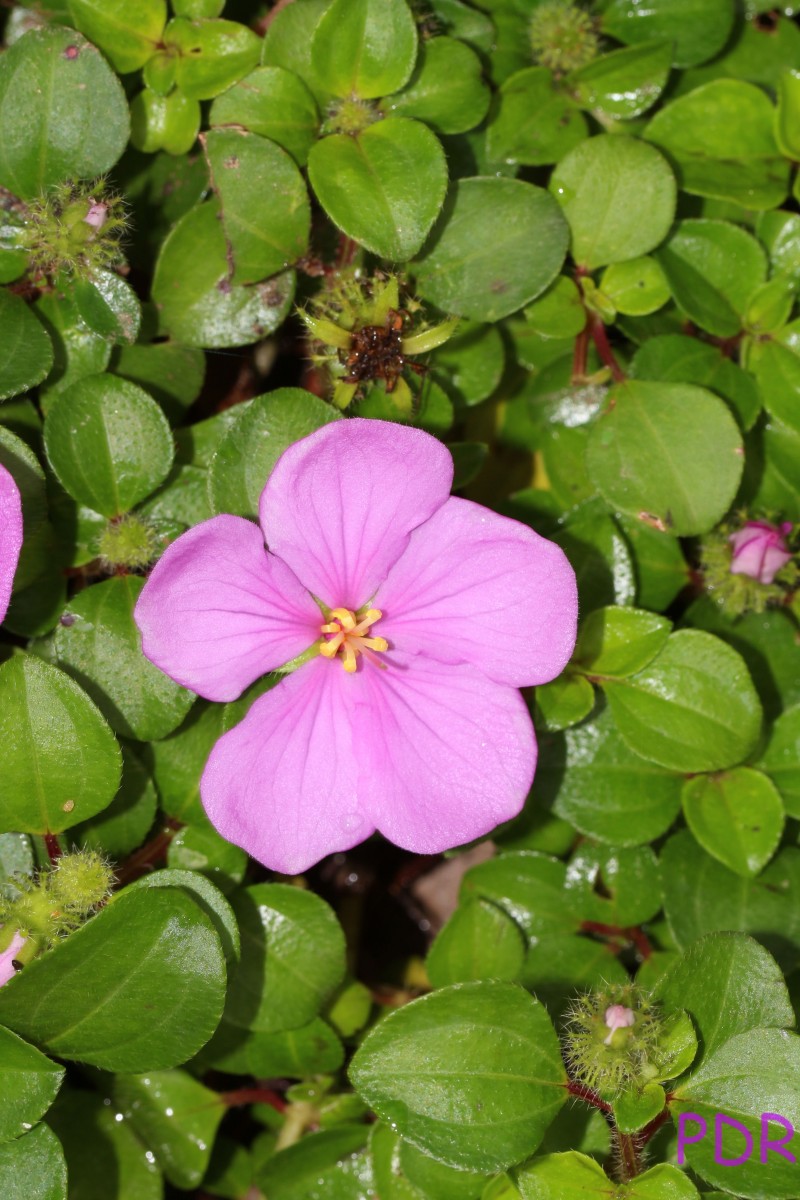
[347, 634]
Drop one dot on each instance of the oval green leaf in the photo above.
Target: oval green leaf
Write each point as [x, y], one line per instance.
[501, 242]
[152, 988]
[109, 444]
[365, 48]
[446, 90]
[59, 761]
[127, 31]
[478, 942]
[737, 816]
[275, 104]
[535, 122]
[26, 353]
[30, 1083]
[385, 187]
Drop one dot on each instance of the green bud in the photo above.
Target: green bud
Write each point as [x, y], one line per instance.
[563, 37]
[57, 901]
[613, 1040]
[350, 116]
[128, 542]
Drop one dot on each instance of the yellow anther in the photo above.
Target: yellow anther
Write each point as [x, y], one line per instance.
[348, 636]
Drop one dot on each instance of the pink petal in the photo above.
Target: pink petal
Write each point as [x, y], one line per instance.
[775, 559]
[446, 754]
[10, 536]
[340, 504]
[479, 588]
[7, 956]
[282, 783]
[218, 612]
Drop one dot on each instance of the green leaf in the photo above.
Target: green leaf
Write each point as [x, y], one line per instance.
[16, 858]
[101, 647]
[616, 882]
[755, 1072]
[176, 1116]
[254, 443]
[436, 1180]
[673, 358]
[559, 313]
[698, 28]
[178, 761]
[530, 888]
[108, 306]
[170, 373]
[322, 1164]
[557, 967]
[635, 288]
[734, 966]
[384, 187]
[737, 816]
[169, 123]
[62, 110]
[109, 443]
[666, 452]
[207, 897]
[30, 1083]
[605, 790]
[265, 209]
[289, 41]
[26, 353]
[618, 195]
[152, 985]
[778, 378]
[365, 48]
[624, 83]
[37, 548]
[535, 123]
[786, 118]
[212, 55]
[471, 363]
[694, 708]
[619, 641]
[127, 33]
[33, 1166]
[199, 848]
[721, 138]
[633, 1110]
[500, 244]
[292, 958]
[390, 1180]
[781, 758]
[712, 268]
[197, 303]
[702, 896]
[446, 90]
[564, 702]
[478, 942]
[99, 1148]
[127, 820]
[573, 1176]
[77, 352]
[59, 761]
[471, 1074]
[595, 547]
[313, 1049]
[275, 104]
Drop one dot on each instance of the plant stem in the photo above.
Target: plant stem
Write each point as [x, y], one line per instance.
[603, 347]
[53, 847]
[630, 1163]
[580, 355]
[631, 934]
[253, 1095]
[586, 1094]
[149, 855]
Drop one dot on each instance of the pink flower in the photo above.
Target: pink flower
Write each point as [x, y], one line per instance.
[760, 550]
[10, 536]
[7, 956]
[96, 216]
[618, 1017]
[438, 610]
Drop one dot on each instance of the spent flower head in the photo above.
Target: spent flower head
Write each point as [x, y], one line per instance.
[369, 330]
[128, 542]
[563, 36]
[74, 229]
[407, 620]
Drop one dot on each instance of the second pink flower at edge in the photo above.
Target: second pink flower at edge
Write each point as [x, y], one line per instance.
[428, 739]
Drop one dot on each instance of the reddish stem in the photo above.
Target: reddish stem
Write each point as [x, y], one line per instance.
[603, 346]
[580, 356]
[586, 1094]
[631, 934]
[253, 1095]
[654, 1126]
[263, 25]
[53, 847]
[148, 855]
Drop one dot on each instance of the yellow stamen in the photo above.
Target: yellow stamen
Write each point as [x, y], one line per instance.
[348, 636]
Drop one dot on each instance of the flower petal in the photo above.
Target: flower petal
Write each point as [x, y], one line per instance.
[340, 504]
[479, 588]
[218, 611]
[10, 536]
[445, 753]
[7, 956]
[282, 783]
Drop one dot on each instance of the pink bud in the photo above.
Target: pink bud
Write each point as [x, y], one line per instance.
[7, 957]
[618, 1017]
[760, 550]
[96, 216]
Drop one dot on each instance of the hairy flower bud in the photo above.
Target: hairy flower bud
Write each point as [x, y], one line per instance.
[760, 550]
